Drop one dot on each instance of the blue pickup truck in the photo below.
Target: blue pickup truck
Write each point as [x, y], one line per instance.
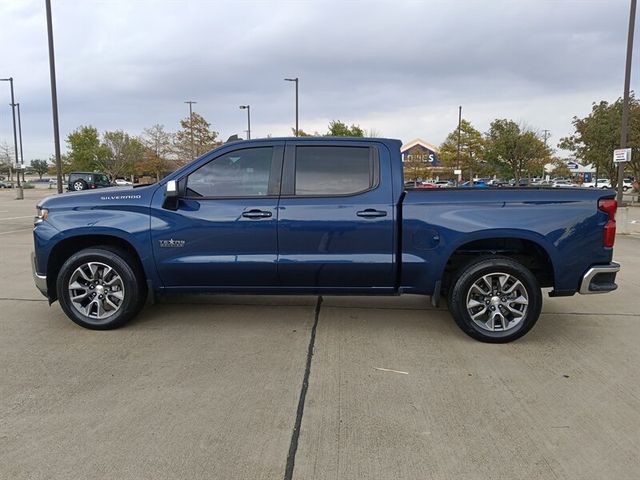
[323, 216]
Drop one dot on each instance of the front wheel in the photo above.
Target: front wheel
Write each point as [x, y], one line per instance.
[495, 299]
[100, 288]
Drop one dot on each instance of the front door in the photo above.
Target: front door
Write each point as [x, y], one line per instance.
[223, 234]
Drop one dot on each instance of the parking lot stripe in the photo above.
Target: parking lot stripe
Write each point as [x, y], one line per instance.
[16, 218]
[15, 231]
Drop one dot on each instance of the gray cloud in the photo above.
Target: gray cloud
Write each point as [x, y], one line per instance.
[399, 67]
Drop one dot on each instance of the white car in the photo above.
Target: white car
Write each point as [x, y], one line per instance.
[563, 184]
[121, 182]
[602, 183]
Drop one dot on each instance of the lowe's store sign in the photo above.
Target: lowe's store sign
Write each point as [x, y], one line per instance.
[420, 151]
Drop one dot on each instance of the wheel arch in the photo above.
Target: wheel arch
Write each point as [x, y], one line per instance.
[68, 246]
[533, 253]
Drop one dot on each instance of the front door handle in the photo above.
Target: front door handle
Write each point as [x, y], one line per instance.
[256, 214]
[371, 213]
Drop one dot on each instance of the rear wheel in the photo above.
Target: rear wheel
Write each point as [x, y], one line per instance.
[495, 299]
[100, 288]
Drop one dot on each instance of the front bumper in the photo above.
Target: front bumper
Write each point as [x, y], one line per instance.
[40, 280]
[600, 279]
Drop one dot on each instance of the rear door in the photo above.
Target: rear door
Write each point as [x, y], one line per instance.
[223, 234]
[336, 217]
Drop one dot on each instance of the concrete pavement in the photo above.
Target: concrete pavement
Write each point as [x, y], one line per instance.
[208, 387]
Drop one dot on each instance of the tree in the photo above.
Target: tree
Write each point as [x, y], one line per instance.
[157, 143]
[194, 139]
[84, 149]
[122, 154]
[515, 149]
[40, 167]
[6, 160]
[560, 169]
[598, 134]
[302, 133]
[471, 149]
[339, 129]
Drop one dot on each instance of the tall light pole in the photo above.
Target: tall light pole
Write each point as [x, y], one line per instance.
[20, 141]
[625, 103]
[296, 80]
[248, 109]
[54, 98]
[191, 102]
[19, 194]
[458, 152]
[545, 134]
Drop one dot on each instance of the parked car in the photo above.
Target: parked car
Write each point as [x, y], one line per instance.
[602, 183]
[323, 216]
[444, 184]
[121, 182]
[5, 184]
[474, 184]
[523, 182]
[564, 184]
[497, 182]
[87, 181]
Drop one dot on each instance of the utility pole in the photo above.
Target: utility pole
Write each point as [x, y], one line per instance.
[545, 134]
[458, 152]
[19, 193]
[625, 103]
[54, 98]
[20, 141]
[191, 102]
[296, 80]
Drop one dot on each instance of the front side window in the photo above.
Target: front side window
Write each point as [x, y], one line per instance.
[242, 173]
[333, 170]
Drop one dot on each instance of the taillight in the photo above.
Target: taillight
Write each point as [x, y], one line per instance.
[609, 206]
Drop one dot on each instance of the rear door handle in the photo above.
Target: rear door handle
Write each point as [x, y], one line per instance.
[256, 214]
[371, 213]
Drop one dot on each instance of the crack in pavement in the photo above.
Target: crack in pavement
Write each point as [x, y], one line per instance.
[295, 435]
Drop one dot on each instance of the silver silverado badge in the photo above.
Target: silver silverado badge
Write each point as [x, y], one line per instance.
[171, 243]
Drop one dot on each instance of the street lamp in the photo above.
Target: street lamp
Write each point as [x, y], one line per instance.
[54, 97]
[19, 194]
[191, 102]
[295, 80]
[625, 102]
[248, 109]
[20, 140]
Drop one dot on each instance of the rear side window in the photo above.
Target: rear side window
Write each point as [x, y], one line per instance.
[80, 176]
[334, 170]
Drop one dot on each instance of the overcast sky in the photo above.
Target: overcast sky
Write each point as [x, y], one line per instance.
[400, 68]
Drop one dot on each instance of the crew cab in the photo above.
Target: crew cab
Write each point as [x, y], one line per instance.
[323, 216]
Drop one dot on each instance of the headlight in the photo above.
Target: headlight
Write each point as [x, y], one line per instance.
[41, 215]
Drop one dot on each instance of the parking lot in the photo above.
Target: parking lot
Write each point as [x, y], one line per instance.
[209, 387]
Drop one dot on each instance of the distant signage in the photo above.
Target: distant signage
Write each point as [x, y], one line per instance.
[418, 153]
[622, 155]
[572, 166]
[457, 172]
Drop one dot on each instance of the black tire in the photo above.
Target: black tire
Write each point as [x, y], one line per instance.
[79, 185]
[133, 289]
[463, 289]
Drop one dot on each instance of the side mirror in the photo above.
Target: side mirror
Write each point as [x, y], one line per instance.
[171, 197]
[171, 189]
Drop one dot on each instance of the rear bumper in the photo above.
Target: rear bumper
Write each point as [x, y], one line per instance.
[600, 279]
[39, 280]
